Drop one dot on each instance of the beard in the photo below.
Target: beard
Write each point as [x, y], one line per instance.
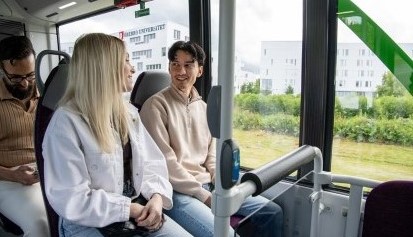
[19, 92]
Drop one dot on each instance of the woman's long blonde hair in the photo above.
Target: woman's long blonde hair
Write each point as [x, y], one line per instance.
[96, 79]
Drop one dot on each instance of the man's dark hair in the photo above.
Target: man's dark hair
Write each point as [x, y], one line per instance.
[190, 47]
[15, 48]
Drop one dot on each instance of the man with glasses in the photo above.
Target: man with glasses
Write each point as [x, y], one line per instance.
[176, 120]
[21, 199]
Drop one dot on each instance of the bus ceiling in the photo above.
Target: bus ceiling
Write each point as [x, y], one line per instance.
[48, 12]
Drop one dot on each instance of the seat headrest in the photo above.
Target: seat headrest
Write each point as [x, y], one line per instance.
[148, 84]
[56, 87]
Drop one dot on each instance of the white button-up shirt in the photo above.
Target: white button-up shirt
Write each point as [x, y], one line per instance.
[84, 185]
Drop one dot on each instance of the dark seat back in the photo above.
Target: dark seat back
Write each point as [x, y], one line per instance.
[54, 88]
[10, 226]
[147, 84]
[389, 210]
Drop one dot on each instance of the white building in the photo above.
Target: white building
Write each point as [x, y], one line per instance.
[147, 45]
[243, 74]
[358, 70]
[148, 48]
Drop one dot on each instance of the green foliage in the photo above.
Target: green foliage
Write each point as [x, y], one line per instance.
[363, 129]
[279, 123]
[338, 108]
[269, 104]
[246, 120]
[390, 86]
[363, 104]
[388, 121]
[390, 107]
[289, 90]
[251, 87]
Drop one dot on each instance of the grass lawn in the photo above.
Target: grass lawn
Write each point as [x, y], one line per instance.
[374, 161]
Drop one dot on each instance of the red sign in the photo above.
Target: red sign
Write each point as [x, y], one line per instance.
[125, 3]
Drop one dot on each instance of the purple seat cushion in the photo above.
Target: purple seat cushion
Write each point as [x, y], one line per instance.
[389, 210]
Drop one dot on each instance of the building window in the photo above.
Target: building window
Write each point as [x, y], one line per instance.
[148, 37]
[135, 39]
[266, 84]
[163, 51]
[153, 67]
[139, 66]
[138, 54]
[177, 34]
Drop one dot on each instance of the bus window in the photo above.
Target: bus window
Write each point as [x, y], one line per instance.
[147, 37]
[267, 78]
[373, 128]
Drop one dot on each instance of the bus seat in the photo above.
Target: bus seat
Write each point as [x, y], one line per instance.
[54, 88]
[10, 226]
[389, 210]
[147, 84]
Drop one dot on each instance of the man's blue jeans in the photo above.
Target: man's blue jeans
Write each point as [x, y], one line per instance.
[197, 218]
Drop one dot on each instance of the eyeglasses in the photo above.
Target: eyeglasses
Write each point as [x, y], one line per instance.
[18, 78]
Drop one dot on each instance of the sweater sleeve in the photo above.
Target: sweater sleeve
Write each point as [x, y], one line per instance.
[154, 117]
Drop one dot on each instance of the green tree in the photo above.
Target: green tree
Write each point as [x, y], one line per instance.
[390, 86]
[289, 90]
[363, 105]
[251, 87]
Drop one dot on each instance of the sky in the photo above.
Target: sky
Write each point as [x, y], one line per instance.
[256, 21]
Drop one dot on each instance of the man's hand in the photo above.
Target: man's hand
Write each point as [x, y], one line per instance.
[25, 175]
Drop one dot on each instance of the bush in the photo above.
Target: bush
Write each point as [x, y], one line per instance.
[363, 129]
[246, 120]
[281, 124]
[269, 104]
[390, 120]
[390, 107]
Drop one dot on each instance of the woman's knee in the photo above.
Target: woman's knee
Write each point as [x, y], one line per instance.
[170, 228]
[37, 227]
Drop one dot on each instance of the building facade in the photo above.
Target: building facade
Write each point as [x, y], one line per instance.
[358, 69]
[148, 46]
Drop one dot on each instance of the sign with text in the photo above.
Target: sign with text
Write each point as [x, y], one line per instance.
[142, 12]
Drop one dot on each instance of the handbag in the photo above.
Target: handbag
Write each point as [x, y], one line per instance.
[126, 228]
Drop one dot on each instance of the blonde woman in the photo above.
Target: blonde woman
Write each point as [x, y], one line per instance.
[98, 155]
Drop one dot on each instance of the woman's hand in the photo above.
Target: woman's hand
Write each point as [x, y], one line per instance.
[151, 216]
[135, 210]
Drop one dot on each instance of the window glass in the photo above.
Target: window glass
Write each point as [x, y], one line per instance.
[267, 77]
[146, 37]
[373, 126]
